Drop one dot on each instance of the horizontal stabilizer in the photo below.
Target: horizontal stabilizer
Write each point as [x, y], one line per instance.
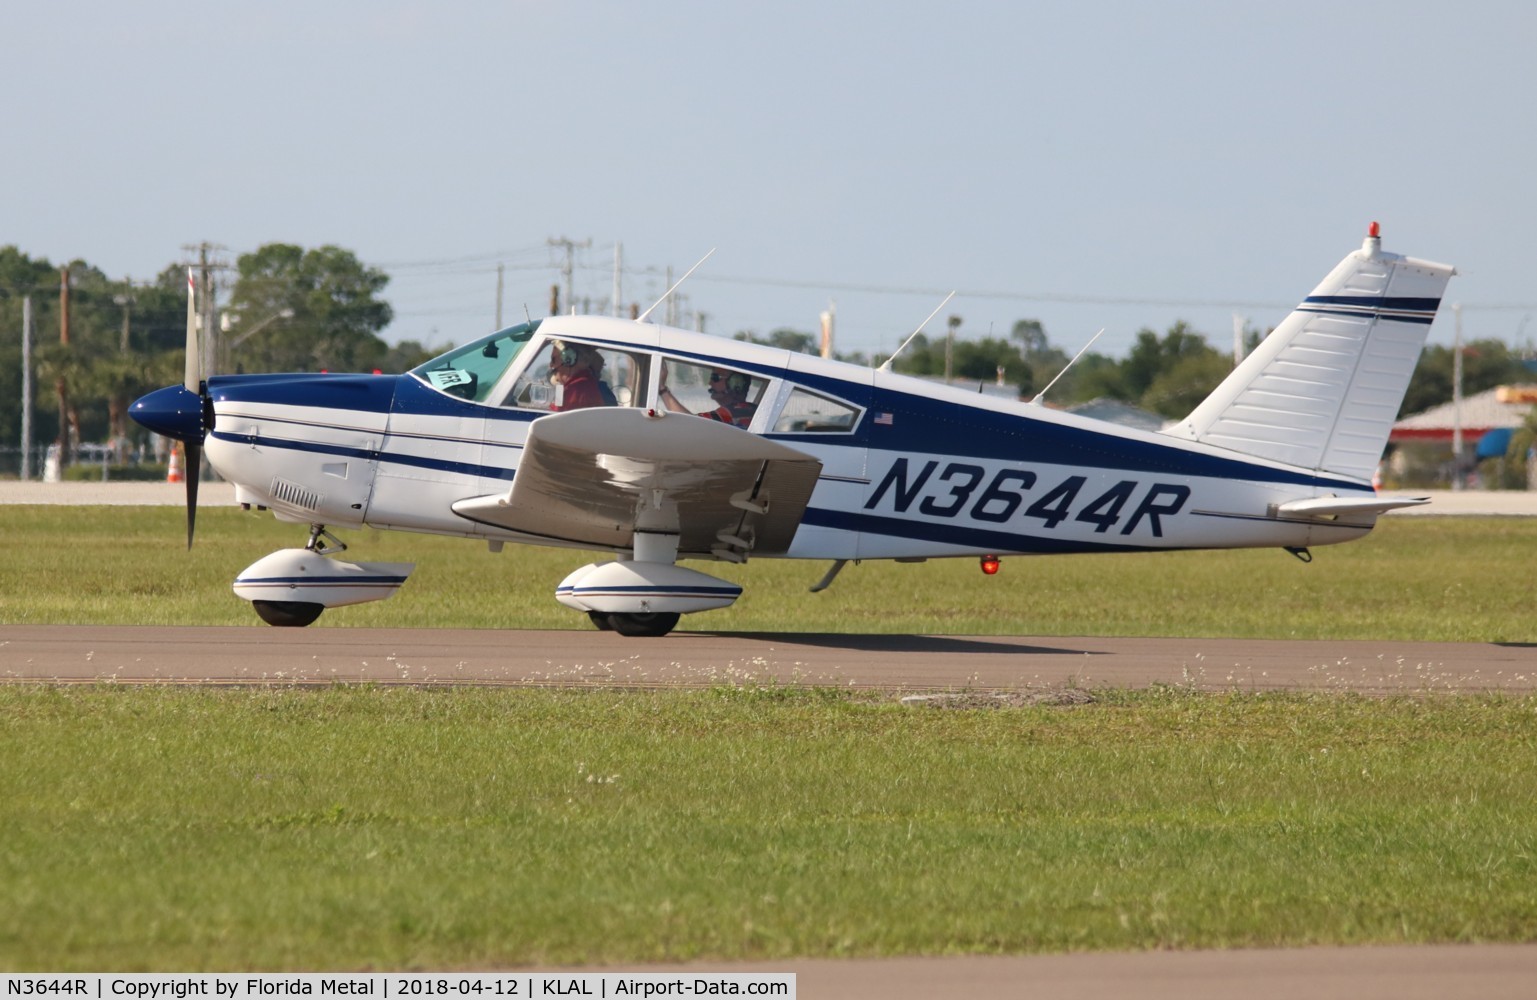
[1334, 506]
[595, 477]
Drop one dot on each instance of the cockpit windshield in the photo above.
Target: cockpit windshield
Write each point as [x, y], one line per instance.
[471, 372]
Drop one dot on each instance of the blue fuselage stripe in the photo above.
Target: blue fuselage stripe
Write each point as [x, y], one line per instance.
[980, 539]
[391, 457]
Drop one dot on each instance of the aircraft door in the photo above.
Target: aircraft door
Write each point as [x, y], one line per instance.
[828, 418]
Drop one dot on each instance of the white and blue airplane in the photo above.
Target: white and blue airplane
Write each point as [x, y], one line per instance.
[586, 432]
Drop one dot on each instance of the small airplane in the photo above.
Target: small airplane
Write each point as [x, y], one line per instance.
[660, 445]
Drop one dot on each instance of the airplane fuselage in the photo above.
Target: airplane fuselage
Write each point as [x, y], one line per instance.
[910, 469]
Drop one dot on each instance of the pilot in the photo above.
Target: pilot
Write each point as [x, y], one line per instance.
[728, 390]
[577, 369]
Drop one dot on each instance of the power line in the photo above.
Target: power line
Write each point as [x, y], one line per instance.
[1070, 298]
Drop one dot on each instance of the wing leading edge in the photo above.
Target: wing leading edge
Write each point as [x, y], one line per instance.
[596, 477]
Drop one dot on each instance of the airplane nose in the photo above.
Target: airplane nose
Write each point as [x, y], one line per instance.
[174, 411]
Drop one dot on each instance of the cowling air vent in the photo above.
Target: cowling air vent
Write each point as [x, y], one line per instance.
[294, 495]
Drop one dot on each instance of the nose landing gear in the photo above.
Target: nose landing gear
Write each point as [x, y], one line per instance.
[291, 587]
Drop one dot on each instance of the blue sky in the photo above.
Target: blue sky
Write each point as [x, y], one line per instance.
[1116, 165]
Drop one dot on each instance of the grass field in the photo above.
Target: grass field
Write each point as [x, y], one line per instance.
[369, 828]
[384, 828]
[1465, 579]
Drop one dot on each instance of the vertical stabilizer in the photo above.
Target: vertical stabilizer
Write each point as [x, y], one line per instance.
[1322, 391]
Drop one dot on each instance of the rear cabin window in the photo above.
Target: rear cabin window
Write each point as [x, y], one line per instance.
[806, 412]
[713, 391]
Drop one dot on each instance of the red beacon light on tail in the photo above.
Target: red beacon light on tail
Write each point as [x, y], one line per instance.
[990, 564]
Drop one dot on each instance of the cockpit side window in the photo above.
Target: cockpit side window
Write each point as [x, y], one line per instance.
[567, 374]
[472, 371]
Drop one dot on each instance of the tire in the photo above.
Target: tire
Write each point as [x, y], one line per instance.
[600, 619]
[655, 623]
[288, 614]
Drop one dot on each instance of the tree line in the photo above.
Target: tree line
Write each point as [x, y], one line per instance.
[98, 343]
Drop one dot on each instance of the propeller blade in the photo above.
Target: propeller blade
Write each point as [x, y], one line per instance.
[193, 374]
[194, 472]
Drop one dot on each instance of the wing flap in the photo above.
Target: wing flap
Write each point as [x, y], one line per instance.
[594, 477]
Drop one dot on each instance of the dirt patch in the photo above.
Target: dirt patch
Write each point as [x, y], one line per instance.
[1056, 697]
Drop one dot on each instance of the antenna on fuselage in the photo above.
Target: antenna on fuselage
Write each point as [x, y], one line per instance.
[642, 317]
[886, 365]
[1038, 396]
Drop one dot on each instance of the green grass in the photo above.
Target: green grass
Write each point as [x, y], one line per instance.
[165, 829]
[1413, 578]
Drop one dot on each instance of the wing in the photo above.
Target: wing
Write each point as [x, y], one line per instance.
[594, 477]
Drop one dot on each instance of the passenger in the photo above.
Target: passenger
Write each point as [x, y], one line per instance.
[577, 369]
[728, 390]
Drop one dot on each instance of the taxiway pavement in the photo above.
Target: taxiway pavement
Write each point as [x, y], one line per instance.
[904, 663]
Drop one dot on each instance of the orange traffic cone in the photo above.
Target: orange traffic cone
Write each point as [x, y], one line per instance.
[173, 471]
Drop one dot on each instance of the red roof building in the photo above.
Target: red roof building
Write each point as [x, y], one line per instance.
[1505, 407]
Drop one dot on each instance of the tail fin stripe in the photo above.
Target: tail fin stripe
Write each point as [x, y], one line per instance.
[1405, 310]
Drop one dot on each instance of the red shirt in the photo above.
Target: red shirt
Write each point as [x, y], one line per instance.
[738, 413]
[579, 393]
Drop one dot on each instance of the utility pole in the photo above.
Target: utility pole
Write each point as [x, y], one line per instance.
[566, 270]
[953, 325]
[26, 388]
[210, 332]
[126, 301]
[1457, 400]
[618, 272]
[60, 386]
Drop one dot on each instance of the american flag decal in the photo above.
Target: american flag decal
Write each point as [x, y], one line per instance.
[883, 418]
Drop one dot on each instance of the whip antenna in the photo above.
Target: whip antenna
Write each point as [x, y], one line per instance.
[886, 365]
[1036, 401]
[642, 317]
